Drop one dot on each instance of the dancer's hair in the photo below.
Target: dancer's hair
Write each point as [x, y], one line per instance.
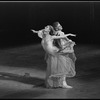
[51, 30]
[55, 25]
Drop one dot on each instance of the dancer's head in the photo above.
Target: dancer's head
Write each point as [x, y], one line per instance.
[49, 30]
[57, 26]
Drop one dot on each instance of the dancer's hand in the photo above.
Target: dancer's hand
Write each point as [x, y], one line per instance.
[34, 31]
[71, 34]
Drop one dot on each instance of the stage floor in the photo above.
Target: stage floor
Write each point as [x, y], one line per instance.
[15, 84]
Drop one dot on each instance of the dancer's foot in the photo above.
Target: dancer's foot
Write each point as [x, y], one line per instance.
[67, 86]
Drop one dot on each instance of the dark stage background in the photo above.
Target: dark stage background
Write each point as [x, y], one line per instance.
[18, 18]
[22, 64]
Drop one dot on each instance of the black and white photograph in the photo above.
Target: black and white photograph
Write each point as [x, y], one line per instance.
[49, 50]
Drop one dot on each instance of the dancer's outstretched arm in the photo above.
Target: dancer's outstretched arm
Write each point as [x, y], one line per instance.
[34, 31]
[64, 36]
[40, 33]
[70, 34]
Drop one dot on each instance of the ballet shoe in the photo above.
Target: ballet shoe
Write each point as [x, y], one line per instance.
[67, 86]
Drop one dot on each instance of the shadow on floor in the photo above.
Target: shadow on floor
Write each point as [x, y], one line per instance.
[37, 82]
[88, 69]
[25, 94]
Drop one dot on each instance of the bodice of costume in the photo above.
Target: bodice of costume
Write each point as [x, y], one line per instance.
[47, 44]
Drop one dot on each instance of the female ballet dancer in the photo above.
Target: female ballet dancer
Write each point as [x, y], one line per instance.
[58, 66]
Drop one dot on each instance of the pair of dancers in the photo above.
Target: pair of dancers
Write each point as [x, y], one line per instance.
[59, 56]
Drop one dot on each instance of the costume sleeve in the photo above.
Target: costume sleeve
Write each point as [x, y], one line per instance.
[61, 33]
[40, 34]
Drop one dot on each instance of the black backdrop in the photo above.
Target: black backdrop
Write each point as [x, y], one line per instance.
[18, 18]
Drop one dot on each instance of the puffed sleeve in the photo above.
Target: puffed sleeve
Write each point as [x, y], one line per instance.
[40, 33]
[60, 33]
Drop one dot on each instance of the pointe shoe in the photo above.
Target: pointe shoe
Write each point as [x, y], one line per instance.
[67, 86]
